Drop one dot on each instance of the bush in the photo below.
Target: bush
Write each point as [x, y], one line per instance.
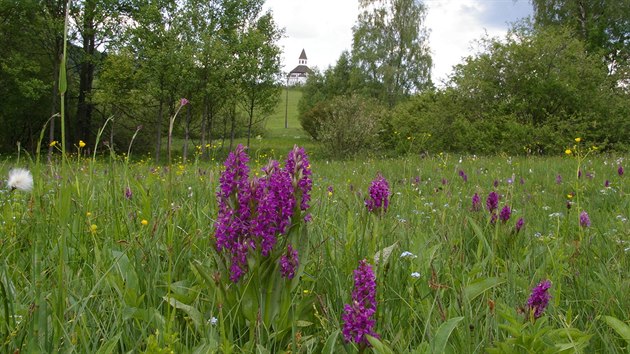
[347, 125]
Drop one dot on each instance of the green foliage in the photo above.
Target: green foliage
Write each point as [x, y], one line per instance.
[602, 25]
[390, 48]
[537, 337]
[516, 96]
[347, 125]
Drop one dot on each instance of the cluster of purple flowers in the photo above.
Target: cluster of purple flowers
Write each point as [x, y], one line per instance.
[358, 316]
[505, 214]
[300, 170]
[379, 195]
[476, 202]
[253, 213]
[492, 202]
[585, 221]
[539, 298]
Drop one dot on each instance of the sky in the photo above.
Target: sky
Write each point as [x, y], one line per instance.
[323, 28]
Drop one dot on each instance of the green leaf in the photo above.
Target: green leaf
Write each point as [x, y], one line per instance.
[479, 286]
[109, 346]
[482, 238]
[621, 328]
[378, 346]
[443, 333]
[193, 313]
[63, 82]
[384, 253]
[329, 346]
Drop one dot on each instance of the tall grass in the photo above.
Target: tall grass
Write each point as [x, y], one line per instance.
[89, 267]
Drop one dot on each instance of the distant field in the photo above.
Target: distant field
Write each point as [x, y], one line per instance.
[275, 124]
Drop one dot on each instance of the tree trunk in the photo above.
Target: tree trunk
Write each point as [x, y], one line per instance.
[54, 105]
[158, 128]
[232, 125]
[204, 153]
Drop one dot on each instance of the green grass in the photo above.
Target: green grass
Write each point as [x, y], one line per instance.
[80, 272]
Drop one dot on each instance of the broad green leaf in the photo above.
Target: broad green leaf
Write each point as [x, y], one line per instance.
[482, 238]
[193, 313]
[479, 286]
[443, 333]
[329, 346]
[378, 346]
[384, 253]
[621, 328]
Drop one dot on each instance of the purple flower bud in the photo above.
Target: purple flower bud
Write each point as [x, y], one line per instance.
[128, 193]
[505, 214]
[558, 179]
[183, 101]
[539, 299]
[476, 202]
[620, 170]
[519, 224]
[492, 202]
[585, 221]
[298, 165]
[522, 181]
[495, 183]
[607, 183]
[289, 263]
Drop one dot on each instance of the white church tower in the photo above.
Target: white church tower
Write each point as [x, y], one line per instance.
[299, 75]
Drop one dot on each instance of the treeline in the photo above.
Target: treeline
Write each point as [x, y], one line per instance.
[133, 60]
[562, 75]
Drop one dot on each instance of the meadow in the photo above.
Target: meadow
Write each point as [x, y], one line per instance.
[111, 255]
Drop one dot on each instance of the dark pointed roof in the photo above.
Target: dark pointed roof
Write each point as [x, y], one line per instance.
[301, 69]
[303, 55]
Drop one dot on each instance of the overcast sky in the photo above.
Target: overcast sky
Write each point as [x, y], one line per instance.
[324, 28]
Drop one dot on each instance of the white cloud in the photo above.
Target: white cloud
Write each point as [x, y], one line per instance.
[324, 28]
[454, 25]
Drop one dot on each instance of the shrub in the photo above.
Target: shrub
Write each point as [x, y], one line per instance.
[348, 125]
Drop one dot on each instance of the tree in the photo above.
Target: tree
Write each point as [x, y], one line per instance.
[259, 70]
[97, 22]
[390, 45]
[603, 25]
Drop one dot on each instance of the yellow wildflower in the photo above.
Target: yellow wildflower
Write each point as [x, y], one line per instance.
[88, 214]
[144, 222]
[81, 144]
[577, 140]
[93, 228]
[53, 143]
[568, 151]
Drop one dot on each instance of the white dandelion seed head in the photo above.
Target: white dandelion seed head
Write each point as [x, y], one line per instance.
[20, 178]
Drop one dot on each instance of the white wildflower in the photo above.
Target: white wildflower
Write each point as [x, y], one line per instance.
[213, 321]
[408, 254]
[415, 275]
[21, 179]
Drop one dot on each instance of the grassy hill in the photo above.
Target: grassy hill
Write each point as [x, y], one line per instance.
[277, 138]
